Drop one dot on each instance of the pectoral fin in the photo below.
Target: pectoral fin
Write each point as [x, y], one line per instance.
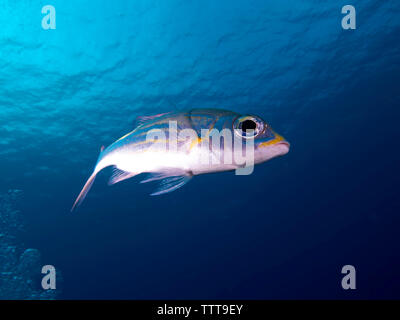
[171, 184]
[168, 183]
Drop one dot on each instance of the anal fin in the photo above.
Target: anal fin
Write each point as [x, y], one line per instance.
[119, 175]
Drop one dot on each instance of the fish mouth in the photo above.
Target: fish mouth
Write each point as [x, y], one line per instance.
[283, 147]
[284, 143]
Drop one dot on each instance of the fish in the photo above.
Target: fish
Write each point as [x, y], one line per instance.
[174, 147]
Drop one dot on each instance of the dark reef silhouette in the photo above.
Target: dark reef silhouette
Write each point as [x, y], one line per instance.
[20, 267]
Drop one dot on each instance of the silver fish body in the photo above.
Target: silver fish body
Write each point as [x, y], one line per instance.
[174, 147]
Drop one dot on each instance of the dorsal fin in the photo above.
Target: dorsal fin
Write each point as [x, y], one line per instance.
[143, 119]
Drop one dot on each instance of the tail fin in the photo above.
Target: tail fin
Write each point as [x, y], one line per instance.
[84, 191]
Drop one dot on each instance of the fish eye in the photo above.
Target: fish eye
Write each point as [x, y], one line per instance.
[253, 123]
[248, 125]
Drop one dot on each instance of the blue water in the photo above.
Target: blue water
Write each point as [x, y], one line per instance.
[283, 232]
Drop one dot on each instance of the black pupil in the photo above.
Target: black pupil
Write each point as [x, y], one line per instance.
[248, 125]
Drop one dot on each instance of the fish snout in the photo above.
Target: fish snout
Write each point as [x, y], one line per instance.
[283, 146]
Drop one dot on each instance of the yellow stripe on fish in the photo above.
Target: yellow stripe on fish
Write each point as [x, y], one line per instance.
[278, 138]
